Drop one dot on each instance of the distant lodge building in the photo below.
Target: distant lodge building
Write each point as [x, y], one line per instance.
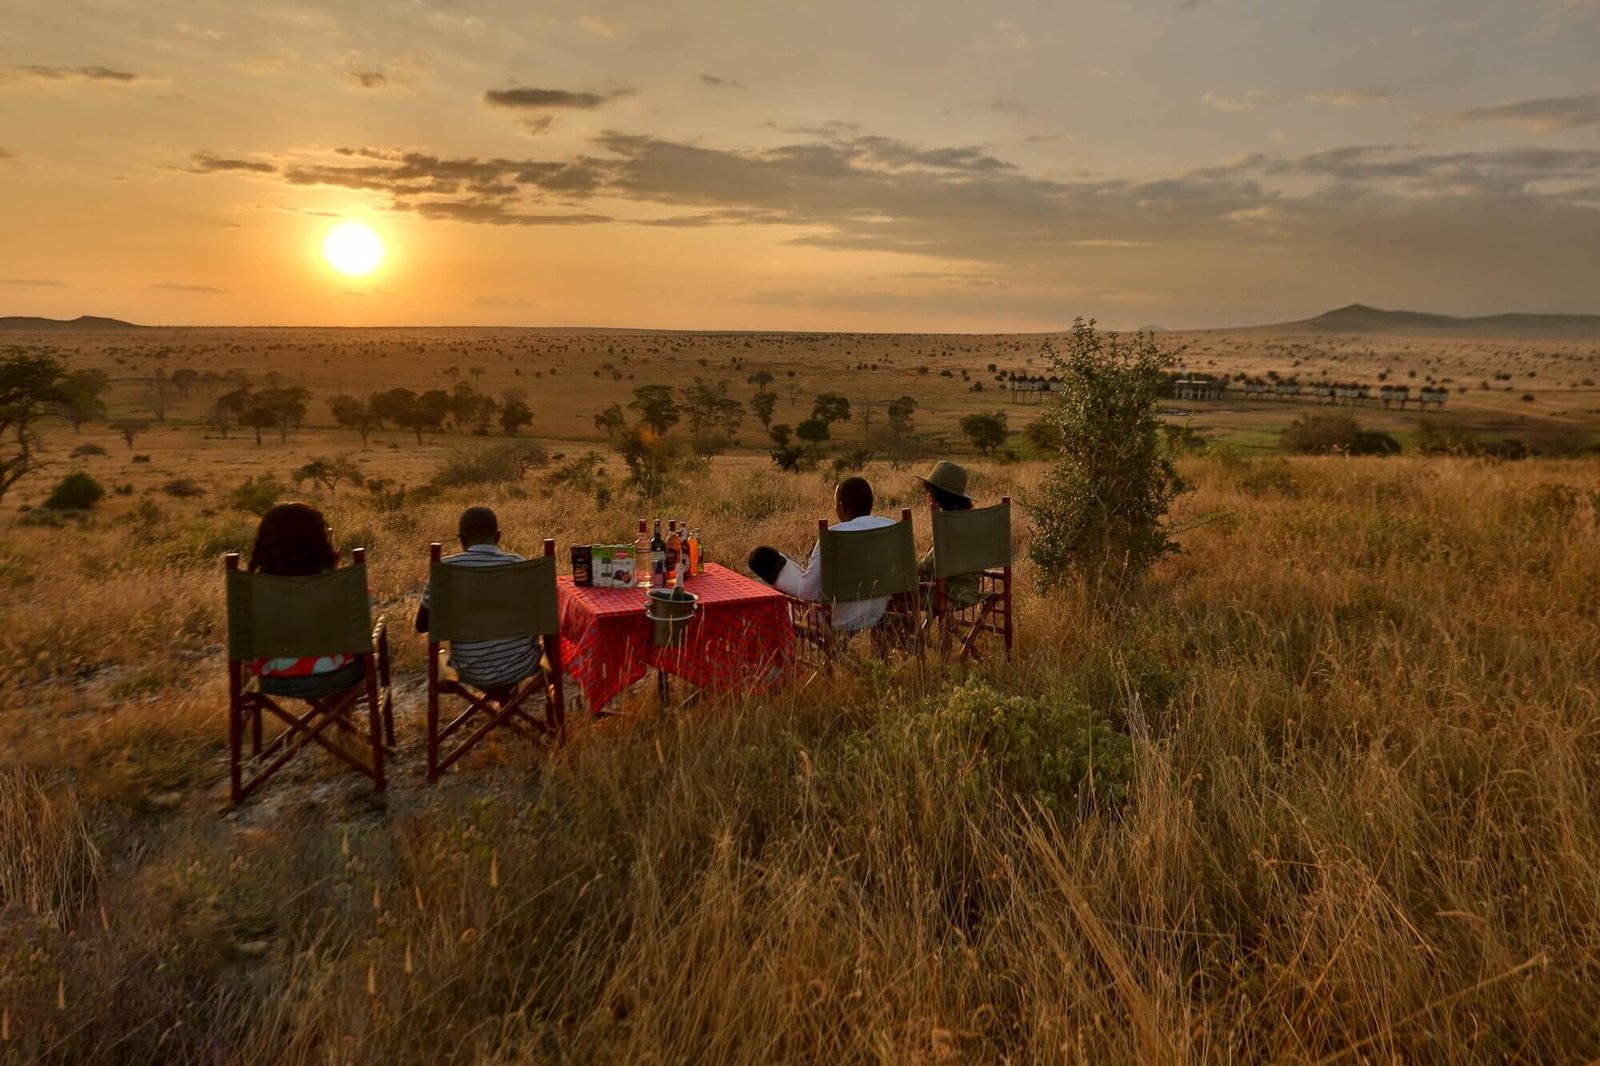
[1032, 388]
[1027, 388]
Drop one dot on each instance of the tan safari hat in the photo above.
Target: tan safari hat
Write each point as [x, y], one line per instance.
[950, 477]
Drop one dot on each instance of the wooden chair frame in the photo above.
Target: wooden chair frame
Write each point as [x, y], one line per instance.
[247, 706]
[991, 614]
[501, 707]
[820, 644]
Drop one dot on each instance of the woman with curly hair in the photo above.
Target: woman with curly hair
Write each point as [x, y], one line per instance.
[292, 541]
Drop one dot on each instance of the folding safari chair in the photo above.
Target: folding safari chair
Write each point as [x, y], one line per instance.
[271, 617]
[493, 603]
[861, 564]
[966, 542]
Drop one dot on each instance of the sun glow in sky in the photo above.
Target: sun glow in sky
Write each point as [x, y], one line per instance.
[353, 249]
[920, 165]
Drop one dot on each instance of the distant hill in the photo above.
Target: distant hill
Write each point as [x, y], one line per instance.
[81, 322]
[1359, 318]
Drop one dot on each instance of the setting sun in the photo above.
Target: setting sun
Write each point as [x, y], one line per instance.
[353, 249]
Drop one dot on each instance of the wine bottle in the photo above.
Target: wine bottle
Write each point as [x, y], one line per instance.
[674, 549]
[658, 559]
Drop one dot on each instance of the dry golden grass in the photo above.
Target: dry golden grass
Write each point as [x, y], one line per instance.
[1361, 820]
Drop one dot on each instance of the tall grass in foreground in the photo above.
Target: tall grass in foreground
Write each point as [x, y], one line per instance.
[1326, 792]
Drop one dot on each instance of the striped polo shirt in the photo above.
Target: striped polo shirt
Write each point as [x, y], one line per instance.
[489, 662]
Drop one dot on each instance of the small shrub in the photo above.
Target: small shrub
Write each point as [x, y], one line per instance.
[84, 451]
[75, 492]
[141, 459]
[183, 488]
[255, 494]
[1055, 750]
[500, 464]
[1335, 435]
[852, 461]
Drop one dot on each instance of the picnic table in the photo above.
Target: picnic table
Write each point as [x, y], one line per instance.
[739, 640]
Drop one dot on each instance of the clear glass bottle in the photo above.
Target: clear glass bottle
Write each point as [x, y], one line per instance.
[641, 555]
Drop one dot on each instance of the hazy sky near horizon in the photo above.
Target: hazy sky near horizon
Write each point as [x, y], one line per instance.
[799, 165]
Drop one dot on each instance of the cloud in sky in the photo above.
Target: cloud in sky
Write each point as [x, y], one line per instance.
[174, 286]
[1227, 155]
[1550, 114]
[34, 283]
[38, 74]
[1348, 97]
[1231, 104]
[963, 205]
[210, 163]
[544, 99]
[501, 303]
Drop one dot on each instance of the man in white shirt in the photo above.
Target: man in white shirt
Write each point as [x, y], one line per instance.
[852, 502]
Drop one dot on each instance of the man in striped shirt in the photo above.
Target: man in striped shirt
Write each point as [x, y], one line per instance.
[485, 664]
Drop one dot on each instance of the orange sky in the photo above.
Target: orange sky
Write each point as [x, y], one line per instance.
[902, 166]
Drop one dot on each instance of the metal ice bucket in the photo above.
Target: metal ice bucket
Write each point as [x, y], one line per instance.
[669, 612]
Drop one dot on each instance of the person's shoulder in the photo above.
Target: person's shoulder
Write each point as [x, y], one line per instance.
[483, 555]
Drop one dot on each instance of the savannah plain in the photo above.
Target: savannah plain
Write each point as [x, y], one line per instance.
[1322, 789]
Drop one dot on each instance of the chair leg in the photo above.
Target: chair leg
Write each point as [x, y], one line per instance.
[236, 751]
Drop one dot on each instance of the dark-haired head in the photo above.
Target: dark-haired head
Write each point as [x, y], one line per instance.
[478, 525]
[853, 498]
[292, 541]
[946, 500]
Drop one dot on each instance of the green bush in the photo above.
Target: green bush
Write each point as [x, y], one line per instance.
[1335, 435]
[255, 494]
[1102, 510]
[500, 464]
[183, 488]
[1055, 750]
[75, 492]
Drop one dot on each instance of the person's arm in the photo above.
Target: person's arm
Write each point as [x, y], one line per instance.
[422, 612]
[803, 583]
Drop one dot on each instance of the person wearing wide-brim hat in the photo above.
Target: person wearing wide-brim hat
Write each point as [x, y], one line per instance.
[947, 489]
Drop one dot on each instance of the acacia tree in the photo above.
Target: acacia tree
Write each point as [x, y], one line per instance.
[351, 413]
[708, 405]
[228, 409]
[130, 428]
[656, 406]
[1102, 510]
[986, 430]
[514, 411]
[902, 415]
[761, 379]
[763, 404]
[30, 387]
[329, 472]
[81, 401]
[611, 420]
[812, 430]
[831, 407]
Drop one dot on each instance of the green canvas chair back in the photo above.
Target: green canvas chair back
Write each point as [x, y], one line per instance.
[865, 564]
[273, 617]
[966, 542]
[492, 602]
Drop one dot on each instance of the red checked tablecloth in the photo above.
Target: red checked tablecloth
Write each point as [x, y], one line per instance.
[739, 640]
